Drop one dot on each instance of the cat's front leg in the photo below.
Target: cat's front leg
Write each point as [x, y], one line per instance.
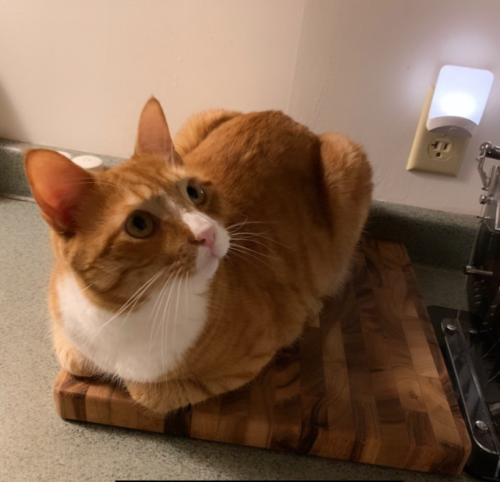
[166, 396]
[70, 358]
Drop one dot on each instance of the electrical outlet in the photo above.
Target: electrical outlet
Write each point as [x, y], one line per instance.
[440, 149]
[433, 152]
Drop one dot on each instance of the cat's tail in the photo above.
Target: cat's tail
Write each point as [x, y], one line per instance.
[348, 186]
[198, 127]
[348, 177]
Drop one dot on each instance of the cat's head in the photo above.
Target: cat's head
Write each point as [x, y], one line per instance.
[141, 222]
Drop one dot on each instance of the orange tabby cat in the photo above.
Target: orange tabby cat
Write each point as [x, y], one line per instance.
[183, 270]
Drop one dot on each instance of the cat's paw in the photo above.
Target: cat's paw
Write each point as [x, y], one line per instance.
[168, 396]
[147, 395]
[75, 363]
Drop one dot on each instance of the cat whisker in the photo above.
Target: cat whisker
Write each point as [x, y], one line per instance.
[165, 293]
[250, 250]
[249, 235]
[154, 314]
[237, 238]
[130, 310]
[165, 320]
[235, 225]
[162, 326]
[253, 232]
[176, 309]
[135, 303]
[187, 288]
[244, 223]
[241, 254]
[87, 287]
[227, 257]
[172, 322]
[132, 299]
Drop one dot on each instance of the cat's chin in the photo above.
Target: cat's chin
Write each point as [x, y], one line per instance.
[206, 264]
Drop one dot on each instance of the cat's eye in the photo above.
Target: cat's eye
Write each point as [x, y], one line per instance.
[195, 193]
[140, 224]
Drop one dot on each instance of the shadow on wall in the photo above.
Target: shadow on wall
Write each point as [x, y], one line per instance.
[10, 124]
[12, 178]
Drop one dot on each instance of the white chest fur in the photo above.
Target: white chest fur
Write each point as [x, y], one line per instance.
[141, 345]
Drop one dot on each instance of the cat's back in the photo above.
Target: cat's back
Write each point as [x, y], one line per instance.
[258, 144]
[262, 160]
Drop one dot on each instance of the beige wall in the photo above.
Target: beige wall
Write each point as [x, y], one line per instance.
[364, 68]
[75, 73]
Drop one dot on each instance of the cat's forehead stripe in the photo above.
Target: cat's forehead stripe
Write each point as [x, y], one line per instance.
[146, 197]
[140, 193]
[134, 199]
[143, 191]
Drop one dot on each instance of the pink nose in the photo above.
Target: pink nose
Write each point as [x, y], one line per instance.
[206, 237]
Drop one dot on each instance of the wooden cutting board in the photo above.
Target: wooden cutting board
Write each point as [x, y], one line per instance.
[366, 383]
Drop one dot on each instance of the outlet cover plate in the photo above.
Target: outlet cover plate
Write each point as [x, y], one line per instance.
[434, 152]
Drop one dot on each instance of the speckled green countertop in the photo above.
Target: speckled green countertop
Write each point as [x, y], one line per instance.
[432, 237]
[35, 444]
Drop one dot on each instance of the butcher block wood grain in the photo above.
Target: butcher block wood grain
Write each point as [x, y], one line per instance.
[366, 383]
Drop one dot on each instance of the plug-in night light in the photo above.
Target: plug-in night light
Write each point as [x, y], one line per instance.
[459, 100]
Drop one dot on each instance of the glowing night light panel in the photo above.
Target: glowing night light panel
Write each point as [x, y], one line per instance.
[459, 100]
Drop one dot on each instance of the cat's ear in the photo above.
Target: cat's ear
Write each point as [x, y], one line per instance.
[153, 136]
[58, 186]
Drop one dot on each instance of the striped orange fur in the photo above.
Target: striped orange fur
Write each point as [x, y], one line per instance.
[293, 205]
